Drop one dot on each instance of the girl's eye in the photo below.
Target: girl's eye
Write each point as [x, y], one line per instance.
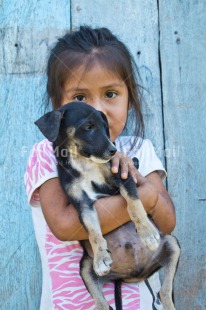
[111, 94]
[80, 98]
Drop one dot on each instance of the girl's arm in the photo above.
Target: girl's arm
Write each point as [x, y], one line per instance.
[63, 220]
[156, 201]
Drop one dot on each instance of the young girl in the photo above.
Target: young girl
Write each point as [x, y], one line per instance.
[93, 66]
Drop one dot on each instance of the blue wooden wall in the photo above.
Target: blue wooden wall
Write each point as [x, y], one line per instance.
[168, 41]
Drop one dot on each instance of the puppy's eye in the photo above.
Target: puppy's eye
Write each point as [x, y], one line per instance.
[88, 126]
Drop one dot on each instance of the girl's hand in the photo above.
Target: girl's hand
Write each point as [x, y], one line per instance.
[120, 160]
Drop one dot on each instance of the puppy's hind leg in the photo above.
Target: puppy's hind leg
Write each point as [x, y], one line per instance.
[93, 283]
[168, 258]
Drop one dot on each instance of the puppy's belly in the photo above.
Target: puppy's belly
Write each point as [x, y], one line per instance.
[128, 255]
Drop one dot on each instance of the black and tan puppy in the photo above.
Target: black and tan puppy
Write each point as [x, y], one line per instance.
[81, 143]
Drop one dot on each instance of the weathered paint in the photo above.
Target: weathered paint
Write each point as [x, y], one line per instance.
[28, 29]
[168, 43]
[182, 46]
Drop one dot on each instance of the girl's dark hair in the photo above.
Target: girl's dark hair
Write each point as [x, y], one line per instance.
[83, 47]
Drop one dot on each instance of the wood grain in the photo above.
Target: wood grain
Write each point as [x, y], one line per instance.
[168, 41]
[182, 46]
[28, 30]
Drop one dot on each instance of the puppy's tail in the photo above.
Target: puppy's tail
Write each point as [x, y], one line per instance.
[118, 294]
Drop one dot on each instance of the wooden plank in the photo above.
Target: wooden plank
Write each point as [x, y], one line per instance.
[20, 263]
[183, 45]
[25, 50]
[34, 27]
[136, 24]
[28, 30]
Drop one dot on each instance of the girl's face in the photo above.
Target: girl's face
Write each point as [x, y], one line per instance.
[101, 89]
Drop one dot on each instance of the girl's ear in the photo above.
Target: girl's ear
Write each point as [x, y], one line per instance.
[49, 124]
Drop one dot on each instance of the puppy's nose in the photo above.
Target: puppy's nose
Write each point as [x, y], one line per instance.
[112, 150]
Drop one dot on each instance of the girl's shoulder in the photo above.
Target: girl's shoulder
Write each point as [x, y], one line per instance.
[41, 157]
[125, 144]
[41, 146]
[41, 166]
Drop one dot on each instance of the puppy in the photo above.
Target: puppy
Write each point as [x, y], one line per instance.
[80, 136]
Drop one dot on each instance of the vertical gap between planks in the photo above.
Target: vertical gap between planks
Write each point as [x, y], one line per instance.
[70, 15]
[161, 88]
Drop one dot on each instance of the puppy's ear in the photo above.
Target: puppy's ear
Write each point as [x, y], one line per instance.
[106, 122]
[49, 124]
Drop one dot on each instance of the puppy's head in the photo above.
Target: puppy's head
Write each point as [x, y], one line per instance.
[79, 129]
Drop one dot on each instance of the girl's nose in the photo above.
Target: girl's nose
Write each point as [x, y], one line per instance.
[98, 105]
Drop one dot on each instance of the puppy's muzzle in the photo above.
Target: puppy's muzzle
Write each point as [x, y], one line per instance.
[110, 152]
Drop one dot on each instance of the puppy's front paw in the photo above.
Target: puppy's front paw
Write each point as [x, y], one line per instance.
[149, 235]
[102, 263]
